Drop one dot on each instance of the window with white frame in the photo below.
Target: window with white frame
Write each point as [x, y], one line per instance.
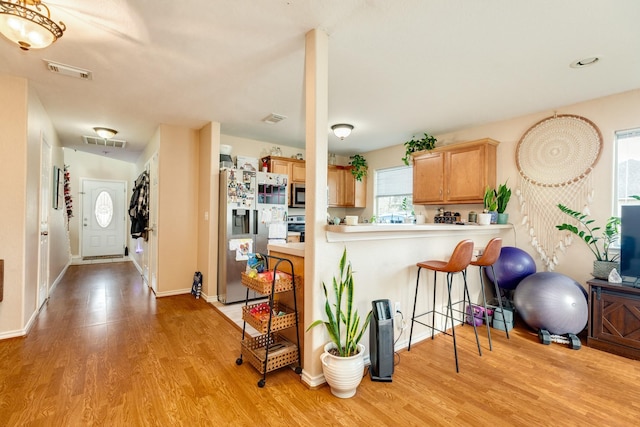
[627, 178]
[393, 194]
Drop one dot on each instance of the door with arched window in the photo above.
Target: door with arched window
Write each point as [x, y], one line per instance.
[103, 218]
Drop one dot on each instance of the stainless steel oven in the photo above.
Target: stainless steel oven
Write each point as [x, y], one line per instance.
[297, 195]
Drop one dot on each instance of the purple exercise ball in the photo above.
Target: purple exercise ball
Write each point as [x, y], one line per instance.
[512, 266]
[552, 301]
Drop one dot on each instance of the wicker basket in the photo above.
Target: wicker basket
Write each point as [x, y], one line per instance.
[253, 351]
[264, 286]
[277, 322]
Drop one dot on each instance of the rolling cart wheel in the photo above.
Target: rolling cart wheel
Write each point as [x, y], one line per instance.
[544, 336]
[298, 370]
[261, 383]
[239, 361]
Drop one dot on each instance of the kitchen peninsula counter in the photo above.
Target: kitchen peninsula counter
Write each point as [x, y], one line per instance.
[341, 233]
[295, 249]
[294, 252]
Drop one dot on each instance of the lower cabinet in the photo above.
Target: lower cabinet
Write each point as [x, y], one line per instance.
[614, 318]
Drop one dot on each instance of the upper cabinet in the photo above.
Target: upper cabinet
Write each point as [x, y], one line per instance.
[454, 174]
[344, 190]
[293, 168]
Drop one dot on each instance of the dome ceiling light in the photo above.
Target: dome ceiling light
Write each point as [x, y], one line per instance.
[28, 24]
[105, 133]
[342, 130]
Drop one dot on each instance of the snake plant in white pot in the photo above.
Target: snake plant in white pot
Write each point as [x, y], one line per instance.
[343, 357]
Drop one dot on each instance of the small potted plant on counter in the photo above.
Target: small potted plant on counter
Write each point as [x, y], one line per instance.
[414, 145]
[343, 357]
[490, 207]
[503, 194]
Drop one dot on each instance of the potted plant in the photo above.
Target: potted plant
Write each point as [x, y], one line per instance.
[409, 214]
[598, 245]
[503, 194]
[343, 357]
[358, 166]
[428, 142]
[490, 204]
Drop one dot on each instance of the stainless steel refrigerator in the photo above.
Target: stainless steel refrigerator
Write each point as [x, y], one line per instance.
[252, 213]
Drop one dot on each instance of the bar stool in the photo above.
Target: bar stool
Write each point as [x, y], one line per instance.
[487, 259]
[460, 259]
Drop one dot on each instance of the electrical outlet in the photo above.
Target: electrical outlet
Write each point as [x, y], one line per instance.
[398, 307]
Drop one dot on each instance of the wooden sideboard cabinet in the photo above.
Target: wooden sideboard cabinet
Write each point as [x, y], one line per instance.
[454, 174]
[614, 318]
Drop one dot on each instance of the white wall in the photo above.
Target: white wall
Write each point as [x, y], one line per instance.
[24, 124]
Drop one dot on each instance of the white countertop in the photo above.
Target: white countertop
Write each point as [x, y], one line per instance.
[295, 249]
[338, 233]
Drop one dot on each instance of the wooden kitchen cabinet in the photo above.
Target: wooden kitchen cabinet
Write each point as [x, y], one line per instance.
[454, 174]
[344, 190]
[294, 169]
[614, 318]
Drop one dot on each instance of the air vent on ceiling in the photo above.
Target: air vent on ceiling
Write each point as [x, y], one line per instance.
[68, 70]
[274, 118]
[113, 143]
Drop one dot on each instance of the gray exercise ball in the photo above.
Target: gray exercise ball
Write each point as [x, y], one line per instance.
[552, 301]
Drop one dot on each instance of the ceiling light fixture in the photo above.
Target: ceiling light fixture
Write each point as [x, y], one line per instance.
[342, 130]
[28, 24]
[585, 62]
[105, 133]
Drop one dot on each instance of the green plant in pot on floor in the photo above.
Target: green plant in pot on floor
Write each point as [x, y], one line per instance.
[343, 357]
[503, 194]
[598, 244]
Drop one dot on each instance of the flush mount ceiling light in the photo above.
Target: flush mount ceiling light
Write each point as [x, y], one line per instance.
[342, 130]
[585, 62]
[28, 24]
[105, 133]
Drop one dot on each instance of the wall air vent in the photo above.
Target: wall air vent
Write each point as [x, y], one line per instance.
[99, 142]
[274, 118]
[68, 70]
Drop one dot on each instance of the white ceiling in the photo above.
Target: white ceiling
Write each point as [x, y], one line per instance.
[397, 68]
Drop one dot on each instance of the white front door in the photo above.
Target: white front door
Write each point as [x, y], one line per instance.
[103, 217]
[45, 203]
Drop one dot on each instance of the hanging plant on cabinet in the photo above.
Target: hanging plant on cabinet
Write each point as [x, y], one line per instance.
[414, 145]
[358, 166]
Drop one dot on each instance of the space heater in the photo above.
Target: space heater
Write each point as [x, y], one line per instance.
[381, 341]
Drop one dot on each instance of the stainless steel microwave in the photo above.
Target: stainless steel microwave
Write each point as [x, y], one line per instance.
[297, 195]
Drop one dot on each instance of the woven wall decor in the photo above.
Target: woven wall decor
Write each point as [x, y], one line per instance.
[555, 158]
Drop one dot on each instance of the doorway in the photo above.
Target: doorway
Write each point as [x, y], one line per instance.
[45, 203]
[103, 218]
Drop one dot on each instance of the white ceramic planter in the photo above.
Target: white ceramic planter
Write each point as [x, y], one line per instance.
[484, 219]
[343, 374]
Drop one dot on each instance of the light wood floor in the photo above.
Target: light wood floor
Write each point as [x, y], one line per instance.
[104, 351]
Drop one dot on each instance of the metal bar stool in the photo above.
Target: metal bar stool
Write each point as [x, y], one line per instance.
[460, 259]
[489, 256]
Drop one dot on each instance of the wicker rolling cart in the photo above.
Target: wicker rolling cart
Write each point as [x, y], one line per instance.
[270, 350]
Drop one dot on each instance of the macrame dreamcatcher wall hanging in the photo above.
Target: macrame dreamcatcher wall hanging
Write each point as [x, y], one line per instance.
[555, 158]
